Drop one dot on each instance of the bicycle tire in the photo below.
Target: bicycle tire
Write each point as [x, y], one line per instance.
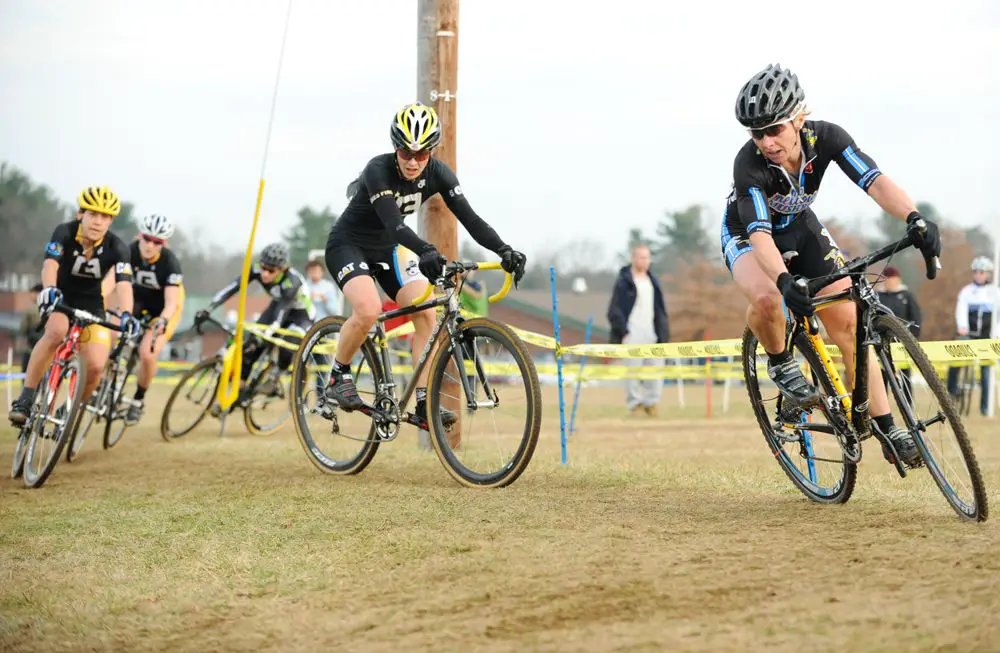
[76, 367]
[248, 418]
[980, 511]
[201, 366]
[529, 375]
[843, 491]
[300, 377]
[87, 420]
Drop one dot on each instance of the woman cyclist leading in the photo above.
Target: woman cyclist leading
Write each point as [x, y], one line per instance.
[370, 242]
[776, 177]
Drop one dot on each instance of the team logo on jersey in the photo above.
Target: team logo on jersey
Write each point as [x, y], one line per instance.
[457, 190]
[421, 183]
[408, 204]
[793, 202]
[147, 279]
[87, 268]
[54, 249]
[175, 279]
[412, 269]
[344, 271]
[123, 268]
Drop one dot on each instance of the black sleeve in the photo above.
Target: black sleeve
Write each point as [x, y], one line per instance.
[451, 193]
[616, 318]
[915, 315]
[54, 249]
[384, 203]
[123, 262]
[174, 276]
[290, 287]
[857, 165]
[751, 201]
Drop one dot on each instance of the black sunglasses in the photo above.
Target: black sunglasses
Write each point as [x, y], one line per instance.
[772, 131]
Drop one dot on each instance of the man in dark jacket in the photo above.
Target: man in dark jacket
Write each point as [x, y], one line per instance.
[903, 304]
[638, 316]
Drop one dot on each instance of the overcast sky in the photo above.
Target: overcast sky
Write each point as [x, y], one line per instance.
[575, 120]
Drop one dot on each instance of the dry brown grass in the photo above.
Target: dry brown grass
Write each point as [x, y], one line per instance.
[659, 535]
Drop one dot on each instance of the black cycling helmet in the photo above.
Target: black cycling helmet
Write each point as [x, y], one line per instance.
[275, 255]
[770, 96]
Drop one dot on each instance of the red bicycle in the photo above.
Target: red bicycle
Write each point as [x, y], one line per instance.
[58, 403]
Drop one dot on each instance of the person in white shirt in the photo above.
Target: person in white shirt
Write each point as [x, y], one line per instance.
[325, 295]
[976, 314]
[638, 316]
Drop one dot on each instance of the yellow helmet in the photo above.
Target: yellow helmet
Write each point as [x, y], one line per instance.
[100, 199]
[416, 128]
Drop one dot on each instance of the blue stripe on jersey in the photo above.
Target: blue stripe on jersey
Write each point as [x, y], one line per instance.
[855, 160]
[760, 204]
[758, 225]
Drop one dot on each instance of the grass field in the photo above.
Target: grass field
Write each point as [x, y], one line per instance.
[668, 534]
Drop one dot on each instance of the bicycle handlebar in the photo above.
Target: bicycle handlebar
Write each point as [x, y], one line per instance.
[86, 318]
[458, 267]
[860, 264]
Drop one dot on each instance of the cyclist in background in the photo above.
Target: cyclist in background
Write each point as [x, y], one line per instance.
[976, 316]
[78, 256]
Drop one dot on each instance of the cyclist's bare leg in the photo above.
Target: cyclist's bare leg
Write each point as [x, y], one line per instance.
[95, 354]
[41, 355]
[840, 322]
[423, 323]
[362, 294]
[147, 358]
[764, 315]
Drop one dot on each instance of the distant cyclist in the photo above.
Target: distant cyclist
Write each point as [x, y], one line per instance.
[291, 308]
[976, 314]
[158, 286]
[371, 243]
[776, 177]
[79, 255]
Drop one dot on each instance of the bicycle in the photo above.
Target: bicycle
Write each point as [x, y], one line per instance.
[825, 469]
[109, 402]
[200, 384]
[54, 417]
[497, 372]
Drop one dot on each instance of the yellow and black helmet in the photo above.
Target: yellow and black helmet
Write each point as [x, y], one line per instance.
[415, 128]
[100, 199]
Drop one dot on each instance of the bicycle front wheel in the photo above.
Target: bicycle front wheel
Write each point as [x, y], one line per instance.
[92, 412]
[812, 458]
[499, 418]
[924, 406]
[58, 410]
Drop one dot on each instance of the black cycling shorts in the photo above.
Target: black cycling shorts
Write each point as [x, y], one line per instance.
[392, 268]
[818, 254]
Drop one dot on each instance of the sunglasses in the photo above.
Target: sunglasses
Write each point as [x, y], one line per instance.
[420, 156]
[770, 130]
[154, 241]
[268, 268]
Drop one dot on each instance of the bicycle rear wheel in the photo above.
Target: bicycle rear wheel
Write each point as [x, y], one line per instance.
[940, 435]
[812, 458]
[59, 406]
[191, 399]
[335, 441]
[92, 412]
[119, 401]
[491, 445]
[269, 406]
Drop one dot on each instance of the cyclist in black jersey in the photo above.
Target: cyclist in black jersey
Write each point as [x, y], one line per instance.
[370, 242]
[291, 308]
[776, 177]
[77, 258]
[158, 292]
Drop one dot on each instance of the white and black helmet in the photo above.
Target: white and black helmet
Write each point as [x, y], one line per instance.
[772, 95]
[157, 226]
[982, 264]
[275, 255]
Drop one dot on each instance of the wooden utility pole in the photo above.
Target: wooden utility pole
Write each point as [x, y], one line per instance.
[437, 85]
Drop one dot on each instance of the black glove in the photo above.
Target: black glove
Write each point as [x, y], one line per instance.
[512, 261]
[432, 264]
[796, 298]
[928, 239]
[201, 315]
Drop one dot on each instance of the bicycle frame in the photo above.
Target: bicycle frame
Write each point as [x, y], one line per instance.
[868, 306]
